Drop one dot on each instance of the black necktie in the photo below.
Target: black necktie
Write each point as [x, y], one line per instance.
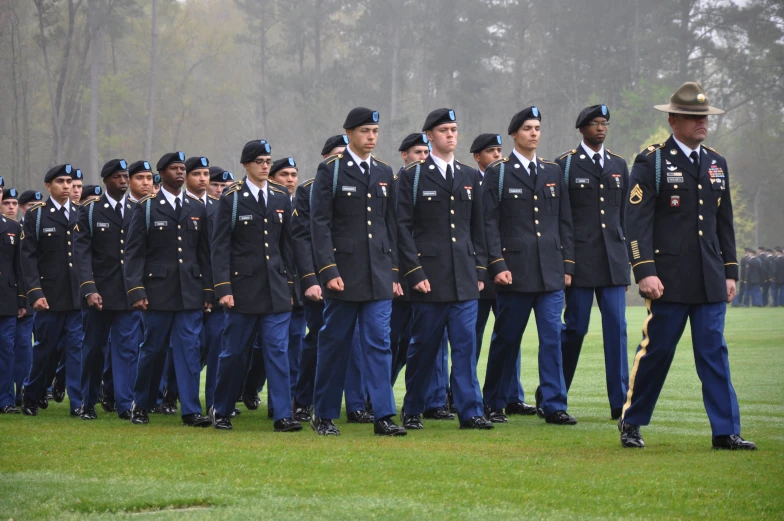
[695, 158]
[177, 208]
[118, 210]
[532, 169]
[597, 161]
[64, 211]
[449, 179]
[262, 203]
[365, 167]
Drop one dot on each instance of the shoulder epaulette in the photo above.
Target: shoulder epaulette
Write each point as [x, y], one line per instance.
[77, 204]
[276, 184]
[498, 162]
[192, 196]
[213, 198]
[652, 148]
[146, 198]
[711, 149]
[464, 164]
[379, 161]
[234, 187]
[331, 158]
[308, 182]
[91, 200]
[547, 162]
[572, 151]
[36, 206]
[415, 163]
[276, 189]
[614, 154]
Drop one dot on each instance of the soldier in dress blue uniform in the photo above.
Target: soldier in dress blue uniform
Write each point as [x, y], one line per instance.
[23, 344]
[99, 249]
[254, 270]
[9, 204]
[682, 245]
[140, 180]
[754, 279]
[486, 149]
[529, 236]
[169, 277]
[443, 257]
[52, 286]
[777, 277]
[353, 230]
[597, 181]
[219, 179]
[12, 300]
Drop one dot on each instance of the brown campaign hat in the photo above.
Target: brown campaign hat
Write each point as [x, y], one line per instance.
[690, 98]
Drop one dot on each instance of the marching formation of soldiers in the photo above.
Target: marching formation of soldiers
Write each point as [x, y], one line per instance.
[336, 287]
[761, 278]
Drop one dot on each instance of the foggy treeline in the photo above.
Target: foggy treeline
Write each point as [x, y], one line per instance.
[84, 81]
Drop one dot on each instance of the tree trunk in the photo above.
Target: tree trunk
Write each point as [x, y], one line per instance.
[151, 90]
[394, 80]
[95, 13]
[317, 39]
[58, 152]
[263, 65]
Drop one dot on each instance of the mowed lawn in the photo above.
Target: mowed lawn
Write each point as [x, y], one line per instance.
[56, 467]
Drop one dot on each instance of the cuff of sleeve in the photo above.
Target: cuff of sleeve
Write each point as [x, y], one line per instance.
[731, 270]
[222, 289]
[415, 276]
[481, 274]
[136, 294]
[497, 266]
[308, 281]
[86, 288]
[21, 302]
[209, 295]
[328, 273]
[34, 294]
[395, 275]
[569, 267]
[643, 269]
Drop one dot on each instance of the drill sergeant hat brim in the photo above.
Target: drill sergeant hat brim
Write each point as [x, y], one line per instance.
[690, 98]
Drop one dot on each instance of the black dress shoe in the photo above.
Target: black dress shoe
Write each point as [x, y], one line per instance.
[76, 412]
[386, 427]
[139, 416]
[495, 416]
[630, 435]
[287, 425]
[29, 408]
[107, 405]
[9, 409]
[236, 412]
[323, 427]
[450, 402]
[49, 395]
[476, 422]
[520, 408]
[251, 401]
[195, 420]
[560, 418]
[411, 421]
[359, 417]
[158, 409]
[539, 399]
[88, 413]
[439, 413]
[732, 442]
[125, 416]
[368, 406]
[301, 413]
[221, 423]
[58, 390]
[615, 414]
[169, 399]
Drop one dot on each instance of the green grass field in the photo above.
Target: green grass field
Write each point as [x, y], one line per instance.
[56, 467]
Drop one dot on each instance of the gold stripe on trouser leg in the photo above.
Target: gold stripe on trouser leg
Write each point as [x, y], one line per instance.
[640, 354]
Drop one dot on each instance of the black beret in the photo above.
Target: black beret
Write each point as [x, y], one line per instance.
[413, 140]
[360, 116]
[484, 141]
[12, 193]
[58, 171]
[254, 149]
[90, 191]
[112, 166]
[156, 179]
[219, 175]
[77, 175]
[594, 111]
[439, 117]
[30, 196]
[523, 116]
[139, 167]
[192, 163]
[341, 140]
[280, 164]
[168, 159]
[2, 182]
[778, 248]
